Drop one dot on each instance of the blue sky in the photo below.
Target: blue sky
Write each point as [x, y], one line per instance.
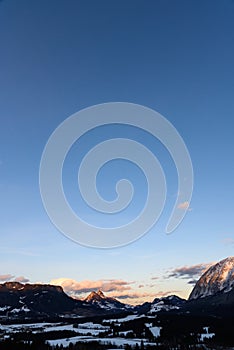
[58, 57]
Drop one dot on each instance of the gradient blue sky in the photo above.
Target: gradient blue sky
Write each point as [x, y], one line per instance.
[57, 57]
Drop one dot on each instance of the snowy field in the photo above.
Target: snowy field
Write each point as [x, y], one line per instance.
[114, 341]
[90, 332]
[125, 319]
[85, 328]
[86, 332]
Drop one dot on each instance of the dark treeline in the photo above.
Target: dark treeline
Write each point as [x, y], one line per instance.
[57, 319]
[42, 345]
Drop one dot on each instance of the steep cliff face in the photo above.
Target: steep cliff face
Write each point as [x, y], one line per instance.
[219, 277]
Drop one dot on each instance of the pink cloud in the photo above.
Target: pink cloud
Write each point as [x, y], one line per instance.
[21, 279]
[6, 277]
[184, 206]
[166, 293]
[132, 295]
[72, 286]
[119, 289]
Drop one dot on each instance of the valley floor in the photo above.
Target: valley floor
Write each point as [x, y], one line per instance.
[131, 332]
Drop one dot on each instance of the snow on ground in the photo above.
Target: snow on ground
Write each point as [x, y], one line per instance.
[125, 333]
[206, 335]
[17, 327]
[155, 331]
[93, 325]
[4, 308]
[113, 341]
[85, 328]
[159, 306]
[23, 308]
[67, 341]
[90, 330]
[125, 319]
[149, 325]
[36, 327]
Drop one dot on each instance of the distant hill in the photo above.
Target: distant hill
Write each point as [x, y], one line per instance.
[171, 302]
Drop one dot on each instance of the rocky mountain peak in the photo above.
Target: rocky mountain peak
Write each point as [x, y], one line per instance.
[219, 277]
[95, 296]
[100, 293]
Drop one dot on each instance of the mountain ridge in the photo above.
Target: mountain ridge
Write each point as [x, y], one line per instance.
[213, 294]
[219, 277]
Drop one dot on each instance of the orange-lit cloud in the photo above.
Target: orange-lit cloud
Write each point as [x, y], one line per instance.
[21, 279]
[6, 277]
[129, 292]
[184, 206]
[72, 286]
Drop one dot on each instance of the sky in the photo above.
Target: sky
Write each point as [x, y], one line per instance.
[58, 57]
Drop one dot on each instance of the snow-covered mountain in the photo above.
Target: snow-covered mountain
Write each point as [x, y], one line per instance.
[100, 300]
[171, 302]
[219, 277]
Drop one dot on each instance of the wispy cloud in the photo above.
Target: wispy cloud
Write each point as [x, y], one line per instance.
[137, 297]
[132, 295]
[165, 293]
[228, 241]
[193, 282]
[189, 272]
[9, 250]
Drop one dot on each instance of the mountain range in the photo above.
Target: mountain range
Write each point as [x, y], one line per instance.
[213, 294]
[19, 300]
